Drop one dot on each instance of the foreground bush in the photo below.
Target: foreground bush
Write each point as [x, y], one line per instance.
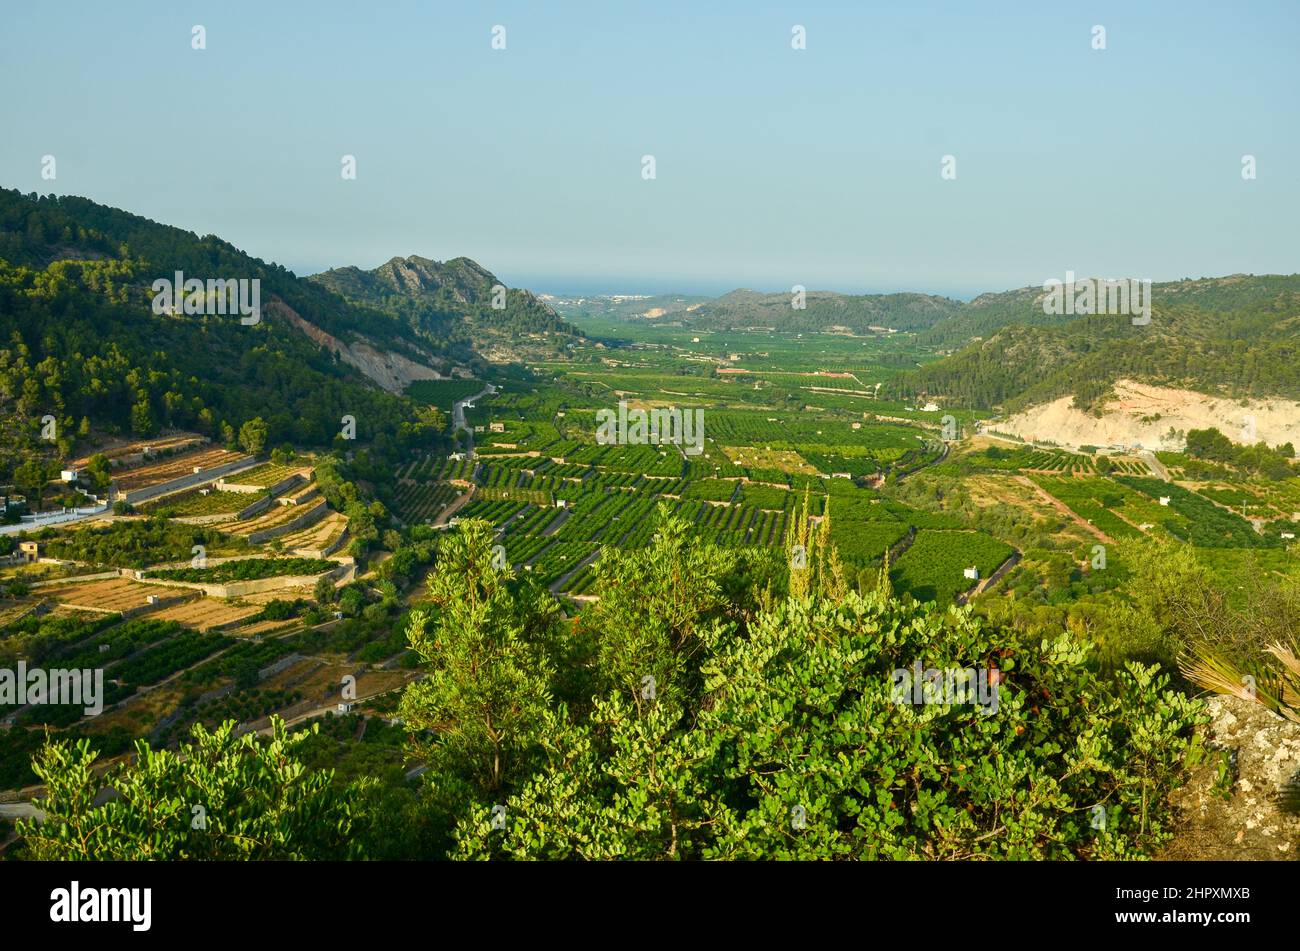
[798, 751]
[218, 797]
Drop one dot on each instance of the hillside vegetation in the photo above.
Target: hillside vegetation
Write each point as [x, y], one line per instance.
[823, 311]
[452, 301]
[1235, 336]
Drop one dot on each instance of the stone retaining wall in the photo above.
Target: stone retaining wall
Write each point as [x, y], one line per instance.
[239, 589]
[313, 514]
[193, 480]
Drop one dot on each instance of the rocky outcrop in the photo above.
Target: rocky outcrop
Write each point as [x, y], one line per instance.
[392, 371]
[1228, 808]
[1141, 414]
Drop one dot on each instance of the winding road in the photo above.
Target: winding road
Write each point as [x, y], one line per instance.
[458, 417]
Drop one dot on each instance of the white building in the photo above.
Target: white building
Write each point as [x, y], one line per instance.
[972, 573]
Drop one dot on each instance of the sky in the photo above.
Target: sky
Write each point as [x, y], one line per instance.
[773, 166]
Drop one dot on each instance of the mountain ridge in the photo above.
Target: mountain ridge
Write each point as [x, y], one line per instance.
[84, 345]
[458, 300]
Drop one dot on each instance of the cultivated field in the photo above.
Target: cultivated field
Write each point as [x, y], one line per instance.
[206, 613]
[119, 450]
[174, 467]
[274, 516]
[114, 594]
[782, 460]
[318, 536]
[268, 474]
[196, 504]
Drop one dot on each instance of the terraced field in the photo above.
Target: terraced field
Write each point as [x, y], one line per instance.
[780, 460]
[174, 467]
[1201, 521]
[733, 495]
[420, 502]
[198, 504]
[158, 445]
[113, 594]
[268, 474]
[204, 614]
[274, 517]
[318, 537]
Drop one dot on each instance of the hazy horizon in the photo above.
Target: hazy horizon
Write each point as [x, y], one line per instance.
[651, 287]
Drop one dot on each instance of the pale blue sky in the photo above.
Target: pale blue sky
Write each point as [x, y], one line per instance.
[775, 167]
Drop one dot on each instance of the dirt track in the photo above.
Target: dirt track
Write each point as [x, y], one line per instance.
[1065, 509]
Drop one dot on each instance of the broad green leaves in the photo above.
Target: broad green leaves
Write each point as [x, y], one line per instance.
[795, 748]
[219, 797]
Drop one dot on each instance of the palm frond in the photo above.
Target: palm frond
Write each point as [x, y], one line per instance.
[1288, 797]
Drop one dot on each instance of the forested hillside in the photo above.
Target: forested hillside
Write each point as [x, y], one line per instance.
[1237, 336]
[823, 311]
[81, 341]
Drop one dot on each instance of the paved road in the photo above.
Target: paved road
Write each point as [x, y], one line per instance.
[458, 417]
[1155, 465]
